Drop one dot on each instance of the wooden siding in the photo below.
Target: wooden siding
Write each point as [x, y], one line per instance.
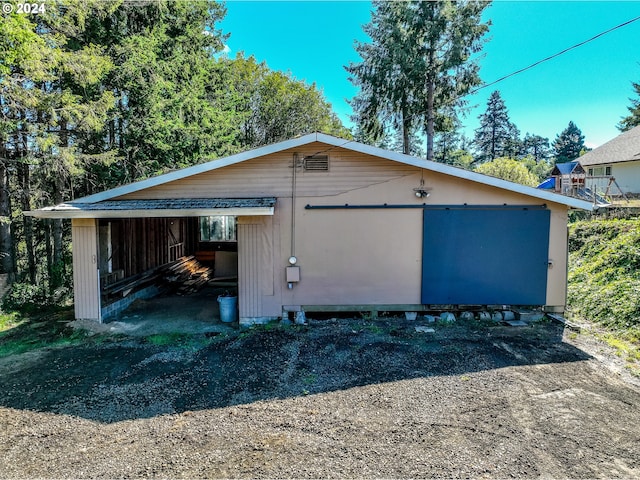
[271, 175]
[248, 270]
[255, 267]
[140, 244]
[85, 269]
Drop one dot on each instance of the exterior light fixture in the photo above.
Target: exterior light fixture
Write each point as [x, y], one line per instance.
[421, 191]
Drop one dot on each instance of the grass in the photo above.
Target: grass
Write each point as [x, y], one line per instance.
[21, 333]
[9, 321]
[181, 340]
[626, 348]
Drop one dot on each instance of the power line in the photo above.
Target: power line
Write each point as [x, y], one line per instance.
[550, 57]
[554, 55]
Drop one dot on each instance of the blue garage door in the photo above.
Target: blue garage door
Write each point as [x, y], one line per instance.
[485, 256]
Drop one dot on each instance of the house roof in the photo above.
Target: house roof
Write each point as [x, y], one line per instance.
[624, 148]
[160, 208]
[567, 168]
[331, 142]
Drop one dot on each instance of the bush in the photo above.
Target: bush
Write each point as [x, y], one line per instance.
[25, 297]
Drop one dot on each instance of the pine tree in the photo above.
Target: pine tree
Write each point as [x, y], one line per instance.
[418, 64]
[493, 137]
[569, 144]
[630, 121]
[536, 146]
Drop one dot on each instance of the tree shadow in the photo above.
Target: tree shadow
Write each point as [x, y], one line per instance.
[133, 378]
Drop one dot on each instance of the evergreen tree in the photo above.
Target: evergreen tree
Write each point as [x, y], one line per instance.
[417, 65]
[536, 146]
[569, 144]
[51, 97]
[632, 120]
[94, 94]
[495, 136]
[514, 146]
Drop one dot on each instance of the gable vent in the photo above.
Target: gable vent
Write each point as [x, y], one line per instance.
[318, 163]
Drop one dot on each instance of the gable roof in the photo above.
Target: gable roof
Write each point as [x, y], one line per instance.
[567, 168]
[334, 142]
[624, 148]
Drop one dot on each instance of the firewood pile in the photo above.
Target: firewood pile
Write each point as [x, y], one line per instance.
[186, 275]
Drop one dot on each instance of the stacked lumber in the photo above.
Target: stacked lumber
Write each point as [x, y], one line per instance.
[186, 275]
[122, 288]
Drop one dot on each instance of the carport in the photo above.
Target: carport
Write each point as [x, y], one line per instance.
[122, 247]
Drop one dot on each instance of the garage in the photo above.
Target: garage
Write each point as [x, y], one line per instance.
[330, 224]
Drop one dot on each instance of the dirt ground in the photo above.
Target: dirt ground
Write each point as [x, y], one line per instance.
[335, 399]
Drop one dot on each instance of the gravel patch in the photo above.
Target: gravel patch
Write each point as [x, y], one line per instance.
[335, 399]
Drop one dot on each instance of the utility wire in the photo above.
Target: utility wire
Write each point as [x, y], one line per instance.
[535, 64]
[485, 85]
[554, 55]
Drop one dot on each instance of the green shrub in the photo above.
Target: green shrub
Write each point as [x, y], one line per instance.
[604, 272]
[25, 297]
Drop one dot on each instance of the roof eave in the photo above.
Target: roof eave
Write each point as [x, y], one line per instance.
[148, 213]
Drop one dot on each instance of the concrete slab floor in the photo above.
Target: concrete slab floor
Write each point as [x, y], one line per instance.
[188, 314]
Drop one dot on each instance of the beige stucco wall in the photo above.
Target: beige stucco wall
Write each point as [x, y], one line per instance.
[375, 256]
[346, 257]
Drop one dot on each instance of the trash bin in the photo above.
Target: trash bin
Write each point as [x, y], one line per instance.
[228, 308]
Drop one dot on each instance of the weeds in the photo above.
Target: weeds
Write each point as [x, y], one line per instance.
[20, 334]
[604, 272]
[181, 340]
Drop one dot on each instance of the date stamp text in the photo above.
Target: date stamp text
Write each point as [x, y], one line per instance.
[23, 8]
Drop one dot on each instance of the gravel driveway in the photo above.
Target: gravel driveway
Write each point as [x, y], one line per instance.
[337, 398]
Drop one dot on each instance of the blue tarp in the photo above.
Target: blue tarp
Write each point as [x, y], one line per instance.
[548, 184]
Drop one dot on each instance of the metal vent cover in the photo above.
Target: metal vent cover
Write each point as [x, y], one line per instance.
[317, 163]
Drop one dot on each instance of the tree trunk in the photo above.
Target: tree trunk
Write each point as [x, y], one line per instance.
[25, 204]
[406, 132]
[431, 87]
[56, 273]
[6, 238]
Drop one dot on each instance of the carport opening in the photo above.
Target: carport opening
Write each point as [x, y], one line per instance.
[166, 269]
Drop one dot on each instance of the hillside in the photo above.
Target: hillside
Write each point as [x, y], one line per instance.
[604, 281]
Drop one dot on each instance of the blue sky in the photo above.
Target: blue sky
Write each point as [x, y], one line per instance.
[590, 85]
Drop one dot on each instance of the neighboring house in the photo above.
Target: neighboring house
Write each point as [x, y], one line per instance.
[369, 229]
[618, 159]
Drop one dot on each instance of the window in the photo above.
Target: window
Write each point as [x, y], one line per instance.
[607, 171]
[220, 228]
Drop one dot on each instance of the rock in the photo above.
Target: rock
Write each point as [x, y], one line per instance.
[447, 317]
[467, 316]
[423, 329]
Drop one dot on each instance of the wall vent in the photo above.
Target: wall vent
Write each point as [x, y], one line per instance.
[317, 163]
